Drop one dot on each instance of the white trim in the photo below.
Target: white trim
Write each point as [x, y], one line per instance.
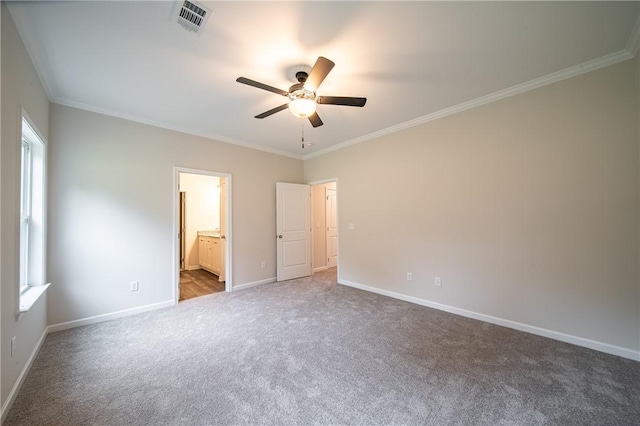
[634, 39]
[228, 284]
[23, 375]
[35, 136]
[30, 296]
[136, 119]
[570, 72]
[37, 57]
[323, 181]
[64, 326]
[110, 316]
[321, 268]
[575, 340]
[254, 284]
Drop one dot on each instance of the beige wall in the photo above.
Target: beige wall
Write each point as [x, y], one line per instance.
[528, 208]
[21, 88]
[111, 212]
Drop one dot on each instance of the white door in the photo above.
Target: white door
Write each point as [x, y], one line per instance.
[332, 228]
[293, 228]
[223, 230]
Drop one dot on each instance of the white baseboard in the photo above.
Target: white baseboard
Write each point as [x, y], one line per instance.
[64, 326]
[253, 284]
[23, 374]
[320, 268]
[567, 338]
[109, 316]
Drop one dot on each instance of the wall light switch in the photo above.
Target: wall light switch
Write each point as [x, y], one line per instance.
[133, 286]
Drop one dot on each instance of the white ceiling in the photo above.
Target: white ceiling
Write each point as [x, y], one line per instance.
[412, 60]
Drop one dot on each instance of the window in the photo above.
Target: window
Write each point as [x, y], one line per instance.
[25, 212]
[32, 217]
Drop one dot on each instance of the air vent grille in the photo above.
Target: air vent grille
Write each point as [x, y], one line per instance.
[192, 13]
[193, 16]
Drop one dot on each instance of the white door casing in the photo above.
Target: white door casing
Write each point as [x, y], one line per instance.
[332, 227]
[183, 228]
[293, 230]
[227, 256]
[223, 230]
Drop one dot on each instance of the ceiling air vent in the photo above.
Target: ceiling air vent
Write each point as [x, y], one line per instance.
[192, 15]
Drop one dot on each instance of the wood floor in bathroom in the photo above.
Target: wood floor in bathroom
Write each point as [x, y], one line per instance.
[198, 282]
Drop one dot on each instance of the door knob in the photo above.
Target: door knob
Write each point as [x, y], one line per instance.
[279, 236]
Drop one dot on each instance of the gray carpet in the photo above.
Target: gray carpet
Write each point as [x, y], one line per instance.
[309, 351]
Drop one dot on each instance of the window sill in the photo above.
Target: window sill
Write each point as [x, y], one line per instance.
[30, 296]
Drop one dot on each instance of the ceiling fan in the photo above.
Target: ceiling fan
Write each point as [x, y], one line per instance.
[302, 95]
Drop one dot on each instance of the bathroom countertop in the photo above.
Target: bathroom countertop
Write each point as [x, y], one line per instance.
[214, 234]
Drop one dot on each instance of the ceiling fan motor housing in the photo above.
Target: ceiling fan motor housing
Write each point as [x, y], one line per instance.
[302, 76]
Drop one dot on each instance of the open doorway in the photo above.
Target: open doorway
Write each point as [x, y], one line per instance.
[324, 197]
[203, 232]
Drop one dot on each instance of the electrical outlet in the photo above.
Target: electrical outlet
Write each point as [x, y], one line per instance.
[437, 281]
[263, 264]
[133, 286]
[13, 346]
[409, 276]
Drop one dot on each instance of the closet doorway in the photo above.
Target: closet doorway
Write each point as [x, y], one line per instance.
[203, 230]
[324, 196]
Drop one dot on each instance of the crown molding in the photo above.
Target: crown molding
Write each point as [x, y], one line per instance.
[570, 72]
[130, 117]
[634, 40]
[38, 57]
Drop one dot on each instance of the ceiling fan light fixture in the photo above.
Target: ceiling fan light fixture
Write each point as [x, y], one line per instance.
[302, 107]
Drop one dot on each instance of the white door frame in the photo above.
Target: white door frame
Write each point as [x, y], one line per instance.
[228, 285]
[320, 182]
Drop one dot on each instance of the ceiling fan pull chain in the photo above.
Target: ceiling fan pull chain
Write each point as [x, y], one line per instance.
[302, 128]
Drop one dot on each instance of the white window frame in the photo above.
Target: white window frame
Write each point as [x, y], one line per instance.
[33, 231]
[25, 211]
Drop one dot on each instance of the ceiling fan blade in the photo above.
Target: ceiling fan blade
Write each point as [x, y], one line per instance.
[315, 120]
[272, 111]
[318, 73]
[262, 86]
[341, 100]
